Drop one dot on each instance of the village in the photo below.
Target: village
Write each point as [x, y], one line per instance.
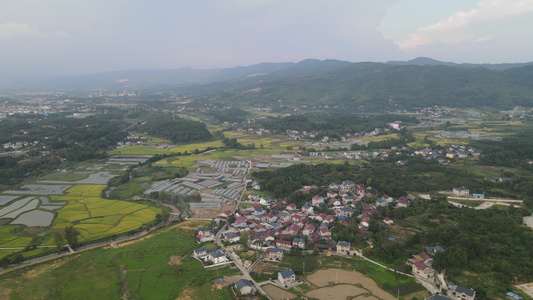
[277, 228]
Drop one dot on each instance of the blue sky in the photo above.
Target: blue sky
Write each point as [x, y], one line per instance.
[41, 38]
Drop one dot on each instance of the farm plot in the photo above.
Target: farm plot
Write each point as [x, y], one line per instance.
[86, 190]
[97, 178]
[8, 239]
[323, 278]
[35, 218]
[18, 207]
[39, 189]
[146, 150]
[96, 217]
[6, 199]
[6, 233]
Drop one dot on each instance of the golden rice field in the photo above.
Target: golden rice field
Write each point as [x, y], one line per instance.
[95, 217]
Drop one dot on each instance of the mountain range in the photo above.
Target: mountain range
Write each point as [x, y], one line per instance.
[418, 82]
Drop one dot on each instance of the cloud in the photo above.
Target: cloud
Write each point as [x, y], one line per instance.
[467, 26]
[16, 30]
[62, 34]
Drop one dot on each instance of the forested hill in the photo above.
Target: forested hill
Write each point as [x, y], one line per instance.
[363, 86]
[377, 86]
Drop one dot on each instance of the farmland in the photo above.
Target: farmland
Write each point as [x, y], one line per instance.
[143, 149]
[82, 207]
[146, 264]
[97, 218]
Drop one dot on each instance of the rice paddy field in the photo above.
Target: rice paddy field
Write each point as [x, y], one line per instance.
[82, 207]
[97, 218]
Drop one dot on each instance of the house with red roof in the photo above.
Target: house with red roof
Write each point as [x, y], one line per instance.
[294, 229]
[283, 244]
[423, 270]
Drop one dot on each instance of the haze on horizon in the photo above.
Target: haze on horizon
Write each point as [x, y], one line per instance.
[51, 38]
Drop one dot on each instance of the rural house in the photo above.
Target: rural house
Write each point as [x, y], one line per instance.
[245, 287]
[460, 293]
[286, 277]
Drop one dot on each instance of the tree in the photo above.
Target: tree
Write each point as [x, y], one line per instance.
[59, 240]
[165, 214]
[244, 238]
[71, 235]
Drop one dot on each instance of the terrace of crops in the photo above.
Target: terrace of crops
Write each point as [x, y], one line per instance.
[82, 207]
[95, 217]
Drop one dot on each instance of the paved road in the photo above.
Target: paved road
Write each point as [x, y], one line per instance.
[235, 260]
[22, 248]
[483, 205]
[502, 200]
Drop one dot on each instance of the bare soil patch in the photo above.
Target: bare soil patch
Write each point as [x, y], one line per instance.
[276, 293]
[185, 295]
[205, 213]
[210, 213]
[191, 225]
[175, 260]
[322, 278]
[337, 292]
[527, 288]
[4, 293]
[263, 157]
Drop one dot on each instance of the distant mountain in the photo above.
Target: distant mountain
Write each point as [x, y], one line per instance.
[424, 61]
[364, 86]
[142, 79]
[378, 86]
[315, 65]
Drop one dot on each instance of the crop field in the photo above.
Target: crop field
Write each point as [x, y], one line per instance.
[39, 189]
[35, 218]
[143, 149]
[269, 141]
[189, 160]
[96, 217]
[9, 239]
[64, 176]
[6, 199]
[86, 190]
[149, 273]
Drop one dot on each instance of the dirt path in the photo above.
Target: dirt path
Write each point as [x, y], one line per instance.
[125, 285]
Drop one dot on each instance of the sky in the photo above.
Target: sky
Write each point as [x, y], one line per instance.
[49, 38]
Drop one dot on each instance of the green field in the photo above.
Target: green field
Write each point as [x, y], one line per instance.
[98, 218]
[96, 273]
[10, 239]
[65, 176]
[143, 149]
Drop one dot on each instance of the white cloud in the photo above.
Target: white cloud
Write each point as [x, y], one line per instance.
[15, 30]
[62, 34]
[467, 26]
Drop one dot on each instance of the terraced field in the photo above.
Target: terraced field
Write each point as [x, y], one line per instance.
[95, 217]
[81, 207]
